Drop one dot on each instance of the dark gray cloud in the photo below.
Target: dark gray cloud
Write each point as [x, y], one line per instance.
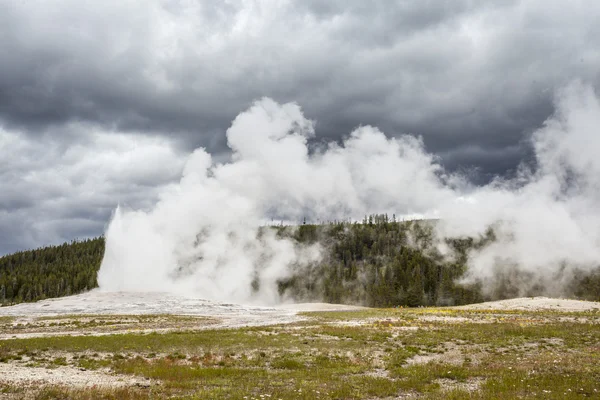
[472, 77]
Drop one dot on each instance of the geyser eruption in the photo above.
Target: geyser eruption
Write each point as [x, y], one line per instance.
[203, 235]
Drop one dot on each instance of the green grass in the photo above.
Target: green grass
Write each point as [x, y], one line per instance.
[500, 355]
[412, 314]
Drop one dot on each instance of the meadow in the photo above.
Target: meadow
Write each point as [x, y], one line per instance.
[420, 353]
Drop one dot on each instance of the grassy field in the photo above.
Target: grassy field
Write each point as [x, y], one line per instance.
[423, 353]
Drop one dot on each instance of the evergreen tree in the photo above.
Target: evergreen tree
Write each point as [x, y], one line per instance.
[50, 272]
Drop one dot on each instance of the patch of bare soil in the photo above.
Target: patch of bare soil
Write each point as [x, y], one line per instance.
[98, 313]
[535, 304]
[306, 307]
[97, 302]
[65, 376]
[470, 385]
[452, 357]
[100, 325]
[448, 353]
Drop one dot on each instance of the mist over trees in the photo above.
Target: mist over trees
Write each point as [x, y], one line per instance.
[385, 263]
[380, 262]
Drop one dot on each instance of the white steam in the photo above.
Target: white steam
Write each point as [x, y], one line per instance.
[547, 221]
[202, 236]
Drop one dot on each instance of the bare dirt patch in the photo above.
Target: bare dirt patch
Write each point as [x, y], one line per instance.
[470, 385]
[535, 304]
[99, 325]
[121, 312]
[307, 307]
[66, 376]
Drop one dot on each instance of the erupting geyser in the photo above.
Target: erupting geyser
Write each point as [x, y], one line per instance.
[202, 235]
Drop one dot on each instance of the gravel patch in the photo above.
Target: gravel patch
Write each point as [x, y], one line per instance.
[535, 304]
[65, 376]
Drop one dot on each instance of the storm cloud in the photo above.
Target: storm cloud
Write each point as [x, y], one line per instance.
[101, 102]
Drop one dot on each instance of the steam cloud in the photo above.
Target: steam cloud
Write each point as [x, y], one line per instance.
[202, 236]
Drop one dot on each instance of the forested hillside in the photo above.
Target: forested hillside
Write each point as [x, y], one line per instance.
[379, 262]
[50, 271]
[384, 263]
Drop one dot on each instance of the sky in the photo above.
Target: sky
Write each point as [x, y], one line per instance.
[101, 103]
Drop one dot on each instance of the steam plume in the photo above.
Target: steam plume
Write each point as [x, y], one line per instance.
[202, 236]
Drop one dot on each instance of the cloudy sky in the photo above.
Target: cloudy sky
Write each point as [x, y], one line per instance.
[101, 102]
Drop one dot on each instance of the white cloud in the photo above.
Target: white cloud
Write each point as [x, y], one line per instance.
[53, 192]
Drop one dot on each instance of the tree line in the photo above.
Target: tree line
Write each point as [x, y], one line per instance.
[380, 262]
[52, 271]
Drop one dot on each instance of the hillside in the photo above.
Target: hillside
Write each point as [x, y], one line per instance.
[379, 263]
[53, 271]
[384, 263]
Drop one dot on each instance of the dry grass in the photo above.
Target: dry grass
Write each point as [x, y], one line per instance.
[366, 354]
